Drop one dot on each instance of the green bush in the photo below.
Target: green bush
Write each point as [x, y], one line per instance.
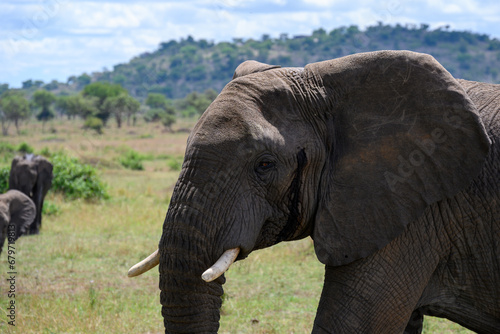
[132, 160]
[153, 115]
[174, 164]
[4, 179]
[7, 148]
[76, 180]
[94, 123]
[7, 152]
[50, 208]
[45, 152]
[167, 120]
[25, 148]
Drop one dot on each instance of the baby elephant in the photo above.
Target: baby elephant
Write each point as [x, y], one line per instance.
[17, 213]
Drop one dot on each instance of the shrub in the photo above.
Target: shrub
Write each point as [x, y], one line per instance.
[94, 123]
[7, 152]
[50, 208]
[153, 115]
[7, 148]
[4, 179]
[76, 180]
[167, 120]
[25, 148]
[132, 160]
[45, 152]
[174, 164]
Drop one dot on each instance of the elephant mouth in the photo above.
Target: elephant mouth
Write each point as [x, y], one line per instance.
[211, 274]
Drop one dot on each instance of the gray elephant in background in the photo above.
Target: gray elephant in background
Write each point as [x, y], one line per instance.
[32, 175]
[389, 163]
[17, 213]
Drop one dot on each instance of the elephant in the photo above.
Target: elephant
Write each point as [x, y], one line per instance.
[32, 175]
[17, 213]
[389, 164]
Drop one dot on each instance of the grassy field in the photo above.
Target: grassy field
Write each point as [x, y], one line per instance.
[72, 277]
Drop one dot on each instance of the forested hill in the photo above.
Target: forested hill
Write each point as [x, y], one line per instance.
[177, 68]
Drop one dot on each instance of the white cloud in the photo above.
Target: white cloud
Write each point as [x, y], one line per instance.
[58, 38]
[321, 3]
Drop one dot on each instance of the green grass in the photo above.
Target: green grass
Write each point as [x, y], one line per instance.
[72, 277]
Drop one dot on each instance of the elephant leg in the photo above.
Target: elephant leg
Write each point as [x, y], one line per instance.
[416, 322]
[38, 198]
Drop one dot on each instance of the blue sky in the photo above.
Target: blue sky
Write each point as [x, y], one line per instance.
[54, 39]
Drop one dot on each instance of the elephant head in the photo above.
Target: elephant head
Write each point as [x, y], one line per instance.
[32, 175]
[17, 212]
[347, 151]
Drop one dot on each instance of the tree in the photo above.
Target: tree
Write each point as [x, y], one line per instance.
[61, 105]
[196, 103]
[161, 109]
[168, 120]
[27, 84]
[3, 88]
[43, 100]
[121, 105]
[132, 108]
[83, 80]
[83, 107]
[153, 114]
[157, 100]
[102, 91]
[210, 94]
[14, 108]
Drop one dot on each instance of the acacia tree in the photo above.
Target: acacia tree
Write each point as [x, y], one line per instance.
[43, 100]
[156, 101]
[168, 117]
[102, 91]
[120, 106]
[14, 107]
[83, 107]
[61, 106]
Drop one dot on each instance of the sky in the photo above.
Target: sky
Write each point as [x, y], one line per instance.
[55, 39]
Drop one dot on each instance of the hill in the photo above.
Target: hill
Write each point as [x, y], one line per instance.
[177, 68]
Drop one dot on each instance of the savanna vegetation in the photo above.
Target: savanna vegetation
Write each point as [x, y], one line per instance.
[106, 216]
[97, 103]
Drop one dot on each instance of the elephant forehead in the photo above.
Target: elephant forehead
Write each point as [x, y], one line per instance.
[234, 126]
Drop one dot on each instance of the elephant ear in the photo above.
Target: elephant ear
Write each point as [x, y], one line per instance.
[13, 178]
[404, 135]
[44, 175]
[252, 66]
[22, 210]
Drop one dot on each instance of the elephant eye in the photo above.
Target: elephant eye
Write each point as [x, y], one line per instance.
[265, 166]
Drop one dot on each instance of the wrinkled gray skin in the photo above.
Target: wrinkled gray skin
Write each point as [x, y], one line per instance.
[17, 212]
[389, 163]
[32, 175]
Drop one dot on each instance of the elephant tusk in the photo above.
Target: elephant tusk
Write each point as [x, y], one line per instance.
[221, 266]
[146, 264]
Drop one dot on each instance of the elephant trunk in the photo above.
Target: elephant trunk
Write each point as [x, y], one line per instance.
[194, 311]
[189, 304]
